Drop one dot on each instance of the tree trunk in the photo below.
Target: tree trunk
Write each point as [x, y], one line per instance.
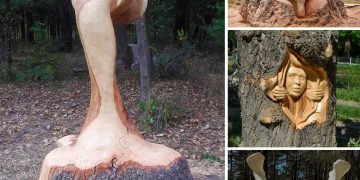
[109, 145]
[293, 12]
[66, 26]
[182, 18]
[273, 176]
[144, 58]
[123, 50]
[8, 41]
[294, 167]
[264, 57]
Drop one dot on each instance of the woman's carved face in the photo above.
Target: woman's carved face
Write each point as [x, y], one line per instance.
[295, 81]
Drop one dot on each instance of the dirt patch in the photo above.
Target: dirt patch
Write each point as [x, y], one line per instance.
[347, 103]
[34, 115]
[353, 12]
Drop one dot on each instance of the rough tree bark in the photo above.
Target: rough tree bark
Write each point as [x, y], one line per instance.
[109, 145]
[261, 54]
[285, 13]
[144, 58]
[123, 51]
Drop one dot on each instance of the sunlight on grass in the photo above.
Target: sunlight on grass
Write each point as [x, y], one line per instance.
[352, 94]
[347, 111]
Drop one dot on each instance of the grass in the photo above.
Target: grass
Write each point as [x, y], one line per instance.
[348, 76]
[351, 94]
[348, 111]
[210, 157]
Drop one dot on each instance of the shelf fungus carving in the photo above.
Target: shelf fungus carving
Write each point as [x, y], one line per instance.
[301, 89]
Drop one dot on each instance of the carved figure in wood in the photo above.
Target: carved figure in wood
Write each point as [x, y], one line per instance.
[300, 8]
[340, 168]
[109, 138]
[256, 164]
[301, 89]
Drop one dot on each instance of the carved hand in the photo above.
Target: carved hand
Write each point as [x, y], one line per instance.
[315, 94]
[279, 93]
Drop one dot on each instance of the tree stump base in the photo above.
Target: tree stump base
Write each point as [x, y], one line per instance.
[117, 160]
[282, 13]
[177, 170]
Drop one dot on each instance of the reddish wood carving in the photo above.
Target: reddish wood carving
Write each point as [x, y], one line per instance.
[109, 144]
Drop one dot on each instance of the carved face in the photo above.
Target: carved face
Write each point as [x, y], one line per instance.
[295, 81]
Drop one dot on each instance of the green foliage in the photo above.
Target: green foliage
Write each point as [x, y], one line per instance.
[234, 141]
[351, 94]
[210, 157]
[353, 142]
[217, 29]
[160, 112]
[161, 20]
[234, 125]
[182, 37]
[39, 31]
[39, 63]
[348, 111]
[354, 40]
[348, 76]
[170, 63]
[232, 65]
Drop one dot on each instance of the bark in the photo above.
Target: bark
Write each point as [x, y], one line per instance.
[144, 58]
[261, 53]
[283, 12]
[274, 165]
[123, 51]
[176, 171]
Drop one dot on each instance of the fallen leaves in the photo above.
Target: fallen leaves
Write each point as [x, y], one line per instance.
[33, 116]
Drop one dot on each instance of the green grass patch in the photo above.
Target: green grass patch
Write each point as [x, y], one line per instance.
[351, 94]
[348, 111]
[210, 157]
[347, 69]
[348, 76]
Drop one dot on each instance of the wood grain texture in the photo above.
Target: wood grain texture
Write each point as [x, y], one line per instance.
[272, 13]
[109, 145]
[261, 54]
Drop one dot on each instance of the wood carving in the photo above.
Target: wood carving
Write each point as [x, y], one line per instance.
[256, 164]
[109, 145]
[340, 168]
[292, 12]
[301, 89]
[300, 8]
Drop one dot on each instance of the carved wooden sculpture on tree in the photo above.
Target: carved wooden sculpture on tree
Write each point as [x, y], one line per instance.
[296, 70]
[302, 91]
[109, 144]
[292, 12]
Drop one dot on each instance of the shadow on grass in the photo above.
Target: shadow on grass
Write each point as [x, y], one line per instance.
[347, 129]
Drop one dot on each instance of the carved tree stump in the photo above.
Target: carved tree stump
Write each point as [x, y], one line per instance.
[293, 12]
[109, 145]
[265, 121]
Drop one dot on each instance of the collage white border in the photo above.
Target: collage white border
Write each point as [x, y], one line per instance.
[226, 89]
